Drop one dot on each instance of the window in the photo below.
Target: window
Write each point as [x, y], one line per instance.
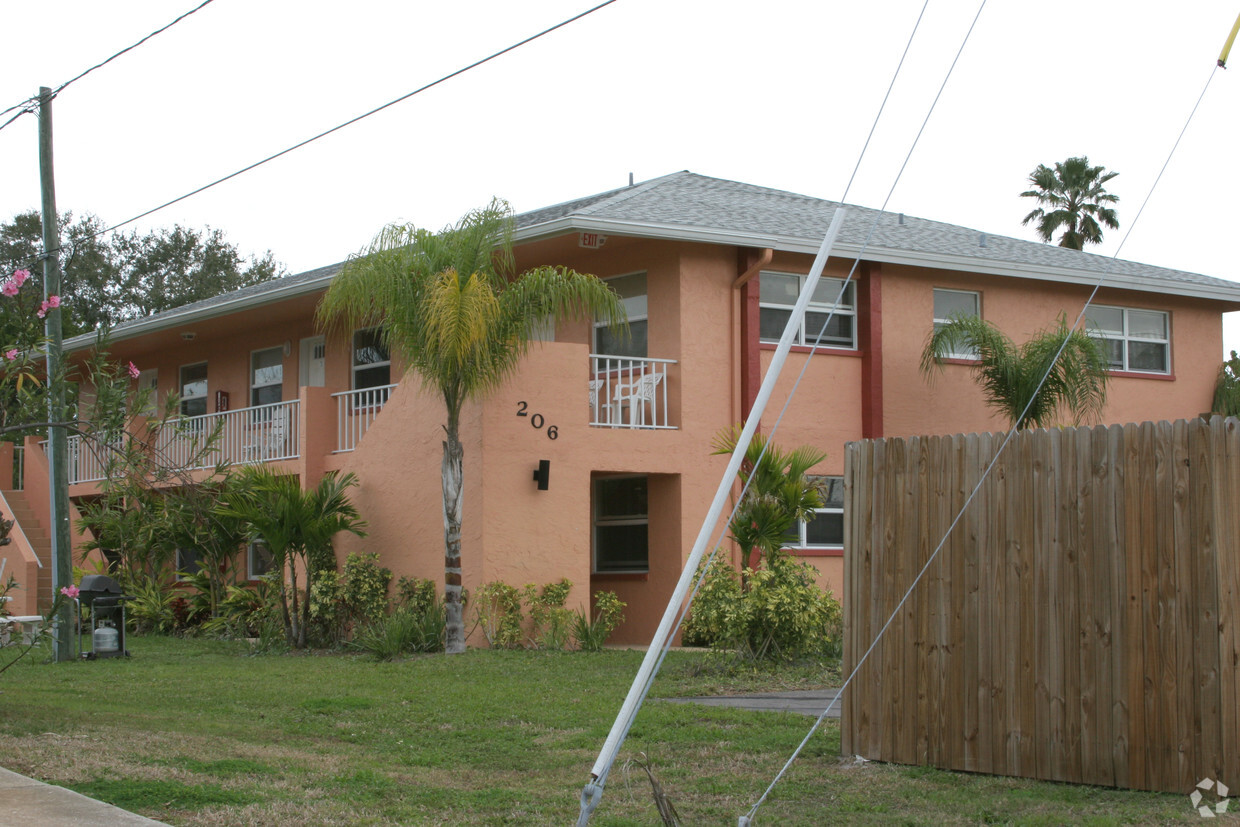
[826, 529]
[632, 292]
[194, 389]
[1137, 340]
[621, 525]
[777, 294]
[372, 365]
[188, 561]
[258, 560]
[266, 376]
[953, 304]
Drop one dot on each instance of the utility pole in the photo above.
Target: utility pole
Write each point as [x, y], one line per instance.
[58, 449]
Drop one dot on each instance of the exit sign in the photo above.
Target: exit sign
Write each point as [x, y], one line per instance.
[591, 241]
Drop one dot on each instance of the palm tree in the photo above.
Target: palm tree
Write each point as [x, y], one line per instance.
[452, 307]
[297, 527]
[1074, 199]
[1009, 375]
[778, 495]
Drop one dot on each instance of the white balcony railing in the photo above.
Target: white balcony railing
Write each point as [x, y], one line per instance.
[628, 392]
[263, 433]
[356, 412]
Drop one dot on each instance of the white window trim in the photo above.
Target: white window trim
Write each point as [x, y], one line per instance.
[253, 387]
[803, 527]
[181, 385]
[354, 367]
[594, 524]
[977, 301]
[815, 307]
[1126, 337]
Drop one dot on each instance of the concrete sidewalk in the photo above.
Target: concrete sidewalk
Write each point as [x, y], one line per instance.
[25, 802]
[803, 701]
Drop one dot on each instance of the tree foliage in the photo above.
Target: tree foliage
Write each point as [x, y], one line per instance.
[130, 275]
[1227, 388]
[1075, 366]
[1072, 198]
[453, 308]
[778, 495]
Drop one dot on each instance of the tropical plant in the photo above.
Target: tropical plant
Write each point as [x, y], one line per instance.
[779, 613]
[1074, 364]
[1073, 199]
[1227, 388]
[452, 307]
[779, 493]
[497, 611]
[552, 623]
[592, 633]
[297, 527]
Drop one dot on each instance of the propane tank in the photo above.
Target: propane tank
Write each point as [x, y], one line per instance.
[105, 638]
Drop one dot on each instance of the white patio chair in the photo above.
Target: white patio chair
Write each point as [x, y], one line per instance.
[637, 395]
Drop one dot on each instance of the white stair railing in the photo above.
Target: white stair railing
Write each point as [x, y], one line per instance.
[628, 392]
[356, 411]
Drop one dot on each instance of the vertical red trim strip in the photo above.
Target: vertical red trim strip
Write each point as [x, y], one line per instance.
[751, 354]
[870, 330]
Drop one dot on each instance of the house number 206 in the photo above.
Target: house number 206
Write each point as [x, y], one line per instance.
[523, 409]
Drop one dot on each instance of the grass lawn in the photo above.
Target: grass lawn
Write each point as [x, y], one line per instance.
[197, 732]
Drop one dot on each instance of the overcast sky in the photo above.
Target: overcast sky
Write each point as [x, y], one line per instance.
[778, 93]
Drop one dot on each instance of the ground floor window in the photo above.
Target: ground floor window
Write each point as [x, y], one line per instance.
[258, 560]
[621, 525]
[189, 561]
[826, 528]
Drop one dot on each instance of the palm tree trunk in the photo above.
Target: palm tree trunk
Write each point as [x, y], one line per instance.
[453, 491]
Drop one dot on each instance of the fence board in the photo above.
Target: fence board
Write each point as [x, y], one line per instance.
[1080, 623]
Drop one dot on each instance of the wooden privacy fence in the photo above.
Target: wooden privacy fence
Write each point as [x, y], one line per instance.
[1082, 621]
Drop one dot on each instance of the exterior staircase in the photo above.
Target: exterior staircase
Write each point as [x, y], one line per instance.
[40, 541]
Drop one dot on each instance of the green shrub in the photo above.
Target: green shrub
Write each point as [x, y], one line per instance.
[608, 614]
[551, 622]
[328, 616]
[364, 588]
[416, 593]
[496, 608]
[774, 612]
[149, 608]
[404, 631]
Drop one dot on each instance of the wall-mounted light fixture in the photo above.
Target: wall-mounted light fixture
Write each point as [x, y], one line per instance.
[188, 336]
[543, 474]
[288, 347]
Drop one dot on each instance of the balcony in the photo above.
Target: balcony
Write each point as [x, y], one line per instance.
[356, 411]
[628, 392]
[264, 433]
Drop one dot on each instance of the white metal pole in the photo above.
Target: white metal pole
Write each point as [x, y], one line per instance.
[590, 795]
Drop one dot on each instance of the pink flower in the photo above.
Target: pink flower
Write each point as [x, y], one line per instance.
[51, 303]
[11, 355]
[133, 370]
[9, 288]
[19, 277]
[70, 592]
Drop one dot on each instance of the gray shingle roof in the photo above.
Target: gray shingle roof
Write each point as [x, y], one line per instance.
[690, 206]
[697, 206]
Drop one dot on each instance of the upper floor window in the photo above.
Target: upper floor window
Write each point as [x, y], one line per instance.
[1137, 340]
[777, 295]
[632, 292]
[621, 525]
[266, 376]
[194, 389]
[826, 528]
[372, 365]
[954, 304]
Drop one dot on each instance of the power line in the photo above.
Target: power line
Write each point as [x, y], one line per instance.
[363, 116]
[340, 126]
[25, 105]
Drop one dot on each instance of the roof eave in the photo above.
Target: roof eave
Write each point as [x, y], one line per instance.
[173, 318]
[794, 244]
